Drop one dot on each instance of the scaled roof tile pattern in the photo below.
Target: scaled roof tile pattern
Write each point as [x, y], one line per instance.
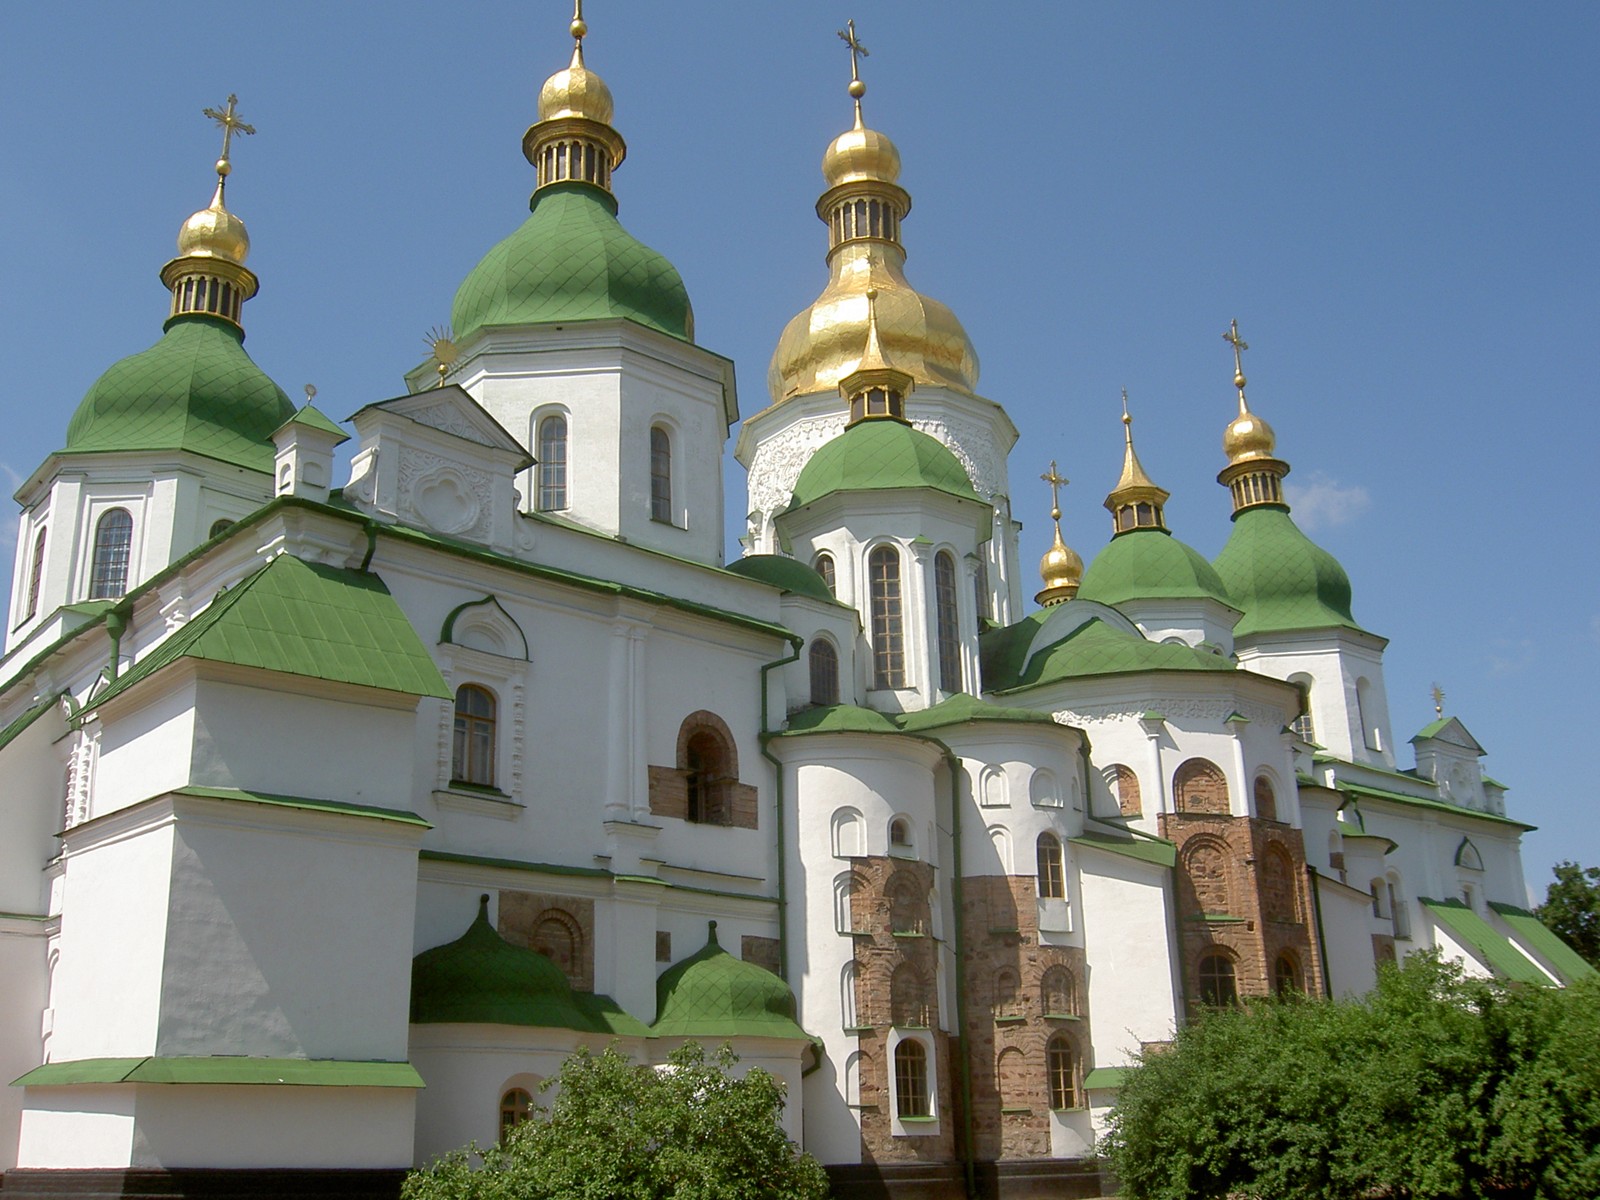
[1281, 578]
[713, 994]
[196, 389]
[304, 619]
[1095, 648]
[881, 454]
[1151, 564]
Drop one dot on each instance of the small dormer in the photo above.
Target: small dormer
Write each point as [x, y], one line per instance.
[303, 461]
[1448, 755]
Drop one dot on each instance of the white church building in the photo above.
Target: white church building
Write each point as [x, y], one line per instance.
[332, 818]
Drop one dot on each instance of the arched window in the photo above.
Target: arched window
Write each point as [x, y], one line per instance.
[844, 892]
[1058, 992]
[1266, 799]
[1007, 993]
[823, 565]
[849, 834]
[824, 672]
[1303, 725]
[1217, 986]
[35, 574]
[900, 834]
[1052, 871]
[908, 998]
[1199, 786]
[709, 766]
[113, 544]
[558, 936]
[888, 634]
[1061, 1065]
[911, 1080]
[1124, 786]
[847, 997]
[1372, 736]
[516, 1106]
[1205, 864]
[660, 475]
[550, 480]
[908, 902]
[219, 527]
[944, 591]
[1285, 975]
[472, 755]
[1278, 893]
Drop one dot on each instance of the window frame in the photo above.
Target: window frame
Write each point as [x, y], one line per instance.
[552, 467]
[886, 612]
[463, 762]
[822, 662]
[110, 564]
[1215, 977]
[662, 506]
[947, 619]
[1051, 874]
[1061, 1074]
[36, 573]
[913, 1099]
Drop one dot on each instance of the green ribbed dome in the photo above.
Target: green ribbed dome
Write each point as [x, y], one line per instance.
[1151, 564]
[1280, 577]
[782, 572]
[571, 260]
[713, 994]
[1095, 648]
[196, 389]
[880, 454]
[480, 978]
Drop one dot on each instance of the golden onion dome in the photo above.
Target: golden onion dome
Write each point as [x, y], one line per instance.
[1248, 437]
[214, 232]
[860, 153]
[576, 91]
[1061, 566]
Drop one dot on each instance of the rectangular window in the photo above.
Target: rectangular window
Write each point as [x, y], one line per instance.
[660, 475]
[911, 1080]
[944, 576]
[888, 634]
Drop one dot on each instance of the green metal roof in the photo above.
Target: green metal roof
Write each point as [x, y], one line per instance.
[14, 730]
[482, 979]
[224, 1069]
[784, 572]
[196, 389]
[1151, 564]
[880, 455]
[1159, 851]
[713, 994]
[1468, 927]
[1362, 789]
[571, 260]
[1568, 963]
[1095, 648]
[304, 619]
[1003, 649]
[334, 807]
[1280, 578]
[314, 418]
[1106, 1077]
[839, 718]
[962, 708]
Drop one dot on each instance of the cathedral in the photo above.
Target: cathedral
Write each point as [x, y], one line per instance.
[336, 811]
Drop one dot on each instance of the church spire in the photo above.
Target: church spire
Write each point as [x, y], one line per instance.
[209, 278]
[1136, 502]
[1253, 475]
[1061, 568]
[573, 141]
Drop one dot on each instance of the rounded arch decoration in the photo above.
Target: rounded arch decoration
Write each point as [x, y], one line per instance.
[1205, 865]
[1200, 787]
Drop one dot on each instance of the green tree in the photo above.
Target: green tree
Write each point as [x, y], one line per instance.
[1433, 1086]
[619, 1131]
[1571, 909]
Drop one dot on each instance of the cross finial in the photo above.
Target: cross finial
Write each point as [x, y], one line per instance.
[1057, 481]
[228, 119]
[1438, 700]
[1239, 347]
[857, 52]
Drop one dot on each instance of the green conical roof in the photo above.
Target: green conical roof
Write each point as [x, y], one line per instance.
[713, 994]
[1150, 564]
[196, 389]
[1280, 577]
[480, 978]
[571, 260]
[877, 455]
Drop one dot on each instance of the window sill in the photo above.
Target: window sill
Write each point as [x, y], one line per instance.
[669, 524]
[907, 933]
[1062, 1017]
[1010, 1020]
[1019, 1112]
[482, 802]
[860, 1030]
[918, 1120]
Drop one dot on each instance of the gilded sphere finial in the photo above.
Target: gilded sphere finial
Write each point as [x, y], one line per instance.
[224, 167]
[579, 27]
[857, 89]
[1238, 379]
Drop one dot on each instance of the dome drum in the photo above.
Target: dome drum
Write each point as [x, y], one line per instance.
[213, 287]
[1254, 482]
[868, 210]
[573, 149]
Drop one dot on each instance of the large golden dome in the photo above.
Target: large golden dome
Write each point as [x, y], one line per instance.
[214, 232]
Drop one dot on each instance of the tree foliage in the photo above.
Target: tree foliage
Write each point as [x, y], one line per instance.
[619, 1131]
[1433, 1086]
[1571, 909]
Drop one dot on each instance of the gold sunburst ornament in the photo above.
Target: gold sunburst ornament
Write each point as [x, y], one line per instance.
[443, 350]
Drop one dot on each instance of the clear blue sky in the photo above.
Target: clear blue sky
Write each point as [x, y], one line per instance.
[1397, 201]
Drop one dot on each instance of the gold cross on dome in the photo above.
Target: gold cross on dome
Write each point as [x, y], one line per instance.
[1239, 346]
[1057, 481]
[848, 36]
[229, 121]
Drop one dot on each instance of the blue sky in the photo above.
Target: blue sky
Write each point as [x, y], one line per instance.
[1397, 201]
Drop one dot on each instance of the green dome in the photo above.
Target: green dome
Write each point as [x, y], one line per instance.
[713, 994]
[839, 718]
[196, 389]
[1150, 564]
[572, 261]
[480, 978]
[880, 454]
[1095, 648]
[1280, 577]
[782, 572]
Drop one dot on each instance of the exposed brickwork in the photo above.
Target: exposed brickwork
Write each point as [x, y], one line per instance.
[723, 800]
[1013, 982]
[559, 927]
[763, 951]
[1125, 786]
[1199, 786]
[669, 793]
[1242, 888]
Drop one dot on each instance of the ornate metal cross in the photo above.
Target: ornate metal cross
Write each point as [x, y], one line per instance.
[1239, 346]
[1057, 481]
[230, 123]
[848, 36]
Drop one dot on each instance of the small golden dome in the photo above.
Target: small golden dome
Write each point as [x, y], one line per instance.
[214, 232]
[860, 153]
[1061, 566]
[1248, 437]
[576, 91]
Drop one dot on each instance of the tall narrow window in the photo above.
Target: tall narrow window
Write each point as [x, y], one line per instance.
[1052, 874]
[980, 587]
[824, 673]
[1303, 725]
[944, 590]
[516, 1106]
[910, 1079]
[472, 759]
[35, 574]
[550, 484]
[1285, 976]
[888, 633]
[823, 564]
[1266, 800]
[1063, 1073]
[113, 543]
[1217, 986]
[660, 475]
